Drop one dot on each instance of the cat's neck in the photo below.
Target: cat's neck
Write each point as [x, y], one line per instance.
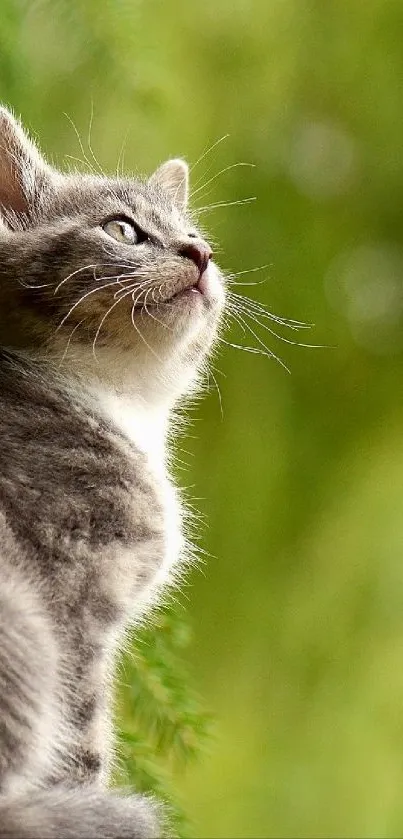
[133, 404]
[144, 424]
[145, 383]
[125, 394]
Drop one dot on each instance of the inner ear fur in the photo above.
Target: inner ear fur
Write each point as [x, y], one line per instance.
[173, 177]
[23, 170]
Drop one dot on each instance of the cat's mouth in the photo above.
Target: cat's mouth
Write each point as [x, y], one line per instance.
[204, 288]
[199, 288]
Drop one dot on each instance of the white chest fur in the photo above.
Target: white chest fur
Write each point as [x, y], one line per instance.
[147, 429]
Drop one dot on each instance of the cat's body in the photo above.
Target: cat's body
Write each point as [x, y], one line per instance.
[81, 500]
[90, 524]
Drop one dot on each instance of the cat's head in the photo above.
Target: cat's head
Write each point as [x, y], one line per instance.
[108, 276]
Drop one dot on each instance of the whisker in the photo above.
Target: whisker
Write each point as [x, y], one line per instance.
[239, 318]
[266, 315]
[208, 151]
[139, 331]
[73, 273]
[260, 309]
[94, 266]
[88, 162]
[140, 288]
[128, 263]
[218, 391]
[232, 274]
[256, 320]
[120, 163]
[221, 172]
[98, 165]
[79, 160]
[126, 294]
[27, 285]
[120, 280]
[209, 207]
[84, 297]
[231, 313]
[68, 342]
[165, 325]
[254, 350]
[204, 175]
[252, 282]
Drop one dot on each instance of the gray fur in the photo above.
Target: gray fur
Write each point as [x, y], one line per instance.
[86, 537]
[85, 812]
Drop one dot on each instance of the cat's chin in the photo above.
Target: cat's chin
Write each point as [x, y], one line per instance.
[190, 316]
[207, 293]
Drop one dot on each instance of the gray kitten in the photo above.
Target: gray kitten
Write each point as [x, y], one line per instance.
[109, 304]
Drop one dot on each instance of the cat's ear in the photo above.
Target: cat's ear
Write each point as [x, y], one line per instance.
[23, 171]
[173, 177]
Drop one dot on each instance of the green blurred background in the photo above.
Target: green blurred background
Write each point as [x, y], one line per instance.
[297, 617]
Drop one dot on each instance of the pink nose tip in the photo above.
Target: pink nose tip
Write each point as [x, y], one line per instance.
[199, 253]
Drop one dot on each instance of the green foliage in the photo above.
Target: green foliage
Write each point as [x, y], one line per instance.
[164, 724]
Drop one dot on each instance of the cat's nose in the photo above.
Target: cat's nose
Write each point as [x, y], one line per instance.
[199, 252]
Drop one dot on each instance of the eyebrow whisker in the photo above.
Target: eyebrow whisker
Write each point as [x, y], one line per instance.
[208, 151]
[221, 172]
[209, 207]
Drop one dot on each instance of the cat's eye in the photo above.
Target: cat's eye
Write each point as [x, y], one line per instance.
[123, 230]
